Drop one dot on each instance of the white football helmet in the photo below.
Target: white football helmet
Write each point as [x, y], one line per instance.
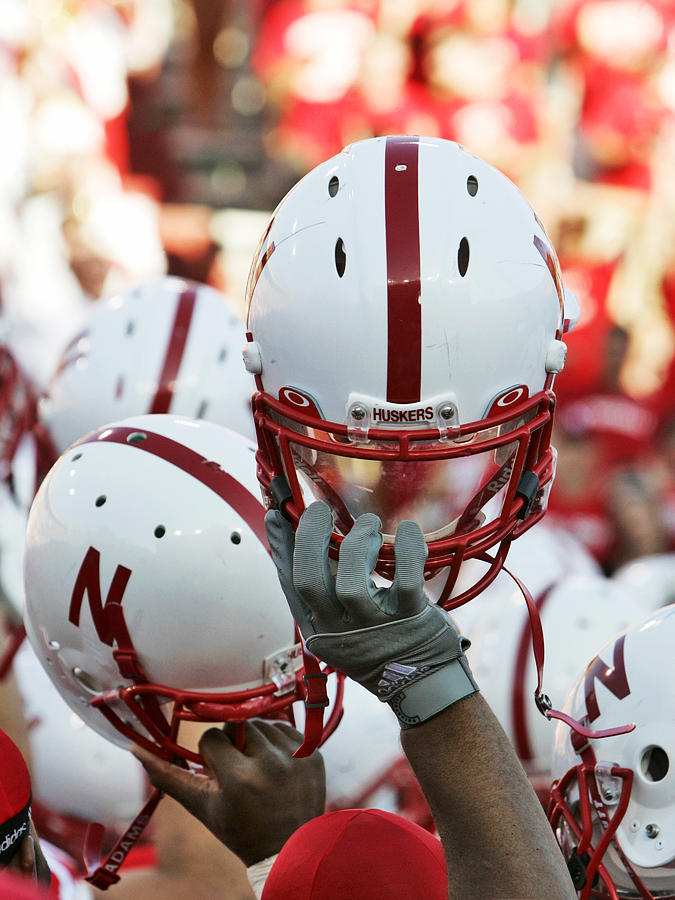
[578, 613]
[148, 579]
[166, 346]
[613, 802]
[539, 558]
[405, 317]
[77, 776]
[651, 578]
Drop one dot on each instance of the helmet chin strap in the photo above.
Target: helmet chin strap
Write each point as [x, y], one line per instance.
[104, 872]
[541, 699]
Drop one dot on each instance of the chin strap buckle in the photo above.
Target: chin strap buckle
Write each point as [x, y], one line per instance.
[316, 693]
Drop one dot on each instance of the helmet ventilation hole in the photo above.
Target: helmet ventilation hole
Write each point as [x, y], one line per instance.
[130, 328]
[472, 185]
[333, 185]
[235, 537]
[136, 437]
[201, 412]
[222, 356]
[463, 256]
[654, 763]
[77, 456]
[101, 500]
[160, 531]
[340, 257]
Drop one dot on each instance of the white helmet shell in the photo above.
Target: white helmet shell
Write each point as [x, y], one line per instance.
[147, 537]
[435, 311]
[651, 578]
[366, 744]
[168, 346]
[540, 557]
[474, 330]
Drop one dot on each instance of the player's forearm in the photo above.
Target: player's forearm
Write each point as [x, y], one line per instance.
[497, 841]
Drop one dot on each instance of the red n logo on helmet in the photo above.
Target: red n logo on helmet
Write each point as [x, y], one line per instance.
[89, 580]
[613, 677]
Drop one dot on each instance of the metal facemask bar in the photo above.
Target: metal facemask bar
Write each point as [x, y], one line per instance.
[527, 478]
[585, 862]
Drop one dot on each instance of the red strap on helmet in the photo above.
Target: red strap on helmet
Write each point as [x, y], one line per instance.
[103, 872]
[541, 699]
[316, 700]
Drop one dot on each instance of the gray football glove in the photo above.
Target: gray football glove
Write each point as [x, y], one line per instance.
[395, 643]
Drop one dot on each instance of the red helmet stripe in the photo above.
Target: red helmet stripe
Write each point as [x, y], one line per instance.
[174, 351]
[208, 472]
[404, 311]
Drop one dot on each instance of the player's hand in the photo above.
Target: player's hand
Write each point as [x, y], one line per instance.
[29, 859]
[252, 800]
[386, 638]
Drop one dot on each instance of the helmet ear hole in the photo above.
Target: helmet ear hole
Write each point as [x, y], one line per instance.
[333, 185]
[654, 763]
[463, 257]
[340, 257]
[472, 185]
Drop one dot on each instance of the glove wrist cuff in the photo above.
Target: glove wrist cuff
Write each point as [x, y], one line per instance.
[426, 694]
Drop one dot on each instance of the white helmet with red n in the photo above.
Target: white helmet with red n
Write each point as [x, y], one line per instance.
[613, 802]
[405, 322]
[578, 613]
[168, 346]
[148, 580]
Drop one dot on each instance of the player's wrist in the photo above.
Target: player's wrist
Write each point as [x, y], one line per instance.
[416, 694]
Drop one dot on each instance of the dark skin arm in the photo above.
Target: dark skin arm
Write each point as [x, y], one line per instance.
[253, 800]
[497, 841]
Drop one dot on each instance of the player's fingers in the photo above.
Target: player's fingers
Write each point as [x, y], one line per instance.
[410, 552]
[280, 734]
[358, 557]
[312, 576]
[181, 784]
[281, 541]
[27, 856]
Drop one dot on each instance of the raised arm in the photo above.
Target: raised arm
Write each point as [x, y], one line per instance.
[405, 650]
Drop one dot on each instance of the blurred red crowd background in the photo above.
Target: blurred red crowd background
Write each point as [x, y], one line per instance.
[152, 136]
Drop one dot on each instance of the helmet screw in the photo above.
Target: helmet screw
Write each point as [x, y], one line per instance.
[652, 831]
[446, 412]
[358, 413]
[607, 794]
